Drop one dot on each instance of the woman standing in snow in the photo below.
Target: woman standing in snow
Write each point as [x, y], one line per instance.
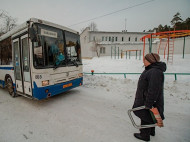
[150, 93]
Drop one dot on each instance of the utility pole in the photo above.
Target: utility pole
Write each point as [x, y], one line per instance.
[125, 24]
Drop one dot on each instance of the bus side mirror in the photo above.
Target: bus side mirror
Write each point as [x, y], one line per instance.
[33, 35]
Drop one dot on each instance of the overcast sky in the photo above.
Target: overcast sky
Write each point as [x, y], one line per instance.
[70, 12]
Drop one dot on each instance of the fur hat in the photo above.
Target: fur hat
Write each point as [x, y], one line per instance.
[152, 57]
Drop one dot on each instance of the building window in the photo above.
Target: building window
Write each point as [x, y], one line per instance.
[112, 39]
[122, 39]
[129, 38]
[106, 38]
[109, 38]
[103, 38]
[94, 38]
[102, 50]
[115, 38]
[136, 39]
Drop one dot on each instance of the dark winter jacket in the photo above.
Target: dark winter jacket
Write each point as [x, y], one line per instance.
[150, 90]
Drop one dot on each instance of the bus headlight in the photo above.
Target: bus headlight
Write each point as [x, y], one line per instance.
[80, 74]
[45, 83]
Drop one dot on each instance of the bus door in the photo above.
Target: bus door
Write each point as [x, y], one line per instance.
[22, 66]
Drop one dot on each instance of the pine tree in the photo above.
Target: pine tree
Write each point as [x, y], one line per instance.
[176, 20]
[160, 28]
[187, 23]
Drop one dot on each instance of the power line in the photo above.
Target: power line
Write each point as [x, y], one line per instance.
[112, 12]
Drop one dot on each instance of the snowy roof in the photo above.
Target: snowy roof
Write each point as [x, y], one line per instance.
[121, 43]
[111, 32]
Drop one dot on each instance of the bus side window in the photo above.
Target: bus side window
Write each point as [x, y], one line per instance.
[6, 52]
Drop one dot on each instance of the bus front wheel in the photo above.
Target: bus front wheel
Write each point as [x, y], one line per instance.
[9, 86]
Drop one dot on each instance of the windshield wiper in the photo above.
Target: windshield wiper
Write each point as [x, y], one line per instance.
[56, 66]
[61, 63]
[74, 63]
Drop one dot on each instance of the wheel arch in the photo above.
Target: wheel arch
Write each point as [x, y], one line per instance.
[13, 94]
[7, 76]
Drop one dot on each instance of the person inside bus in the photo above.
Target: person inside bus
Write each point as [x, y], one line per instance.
[53, 51]
[56, 55]
[77, 49]
[59, 58]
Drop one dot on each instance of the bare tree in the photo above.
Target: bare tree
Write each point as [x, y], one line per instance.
[96, 47]
[7, 22]
[82, 30]
[93, 26]
[2, 15]
[10, 23]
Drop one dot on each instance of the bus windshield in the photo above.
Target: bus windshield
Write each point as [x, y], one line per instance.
[51, 49]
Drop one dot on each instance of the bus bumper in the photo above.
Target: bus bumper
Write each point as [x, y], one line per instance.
[52, 90]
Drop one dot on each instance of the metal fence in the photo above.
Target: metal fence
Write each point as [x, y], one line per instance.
[174, 74]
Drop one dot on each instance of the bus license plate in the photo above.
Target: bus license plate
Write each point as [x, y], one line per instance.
[67, 85]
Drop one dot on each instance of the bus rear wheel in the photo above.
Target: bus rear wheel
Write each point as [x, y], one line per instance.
[9, 86]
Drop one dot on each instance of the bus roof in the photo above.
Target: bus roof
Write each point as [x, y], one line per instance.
[13, 31]
[34, 20]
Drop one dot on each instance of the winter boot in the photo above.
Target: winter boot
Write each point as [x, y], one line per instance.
[152, 131]
[138, 136]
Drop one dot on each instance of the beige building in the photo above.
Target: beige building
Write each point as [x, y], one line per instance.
[100, 43]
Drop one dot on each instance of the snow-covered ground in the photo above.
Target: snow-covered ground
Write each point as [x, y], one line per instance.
[177, 93]
[108, 65]
[97, 111]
